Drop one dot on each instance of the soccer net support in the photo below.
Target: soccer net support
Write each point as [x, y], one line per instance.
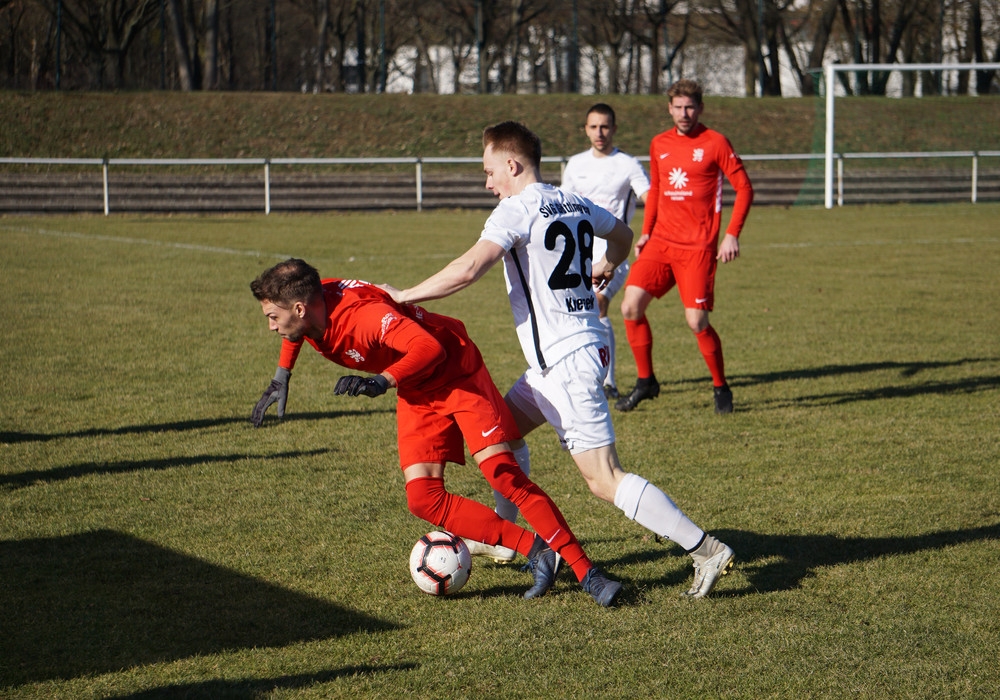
[830, 71]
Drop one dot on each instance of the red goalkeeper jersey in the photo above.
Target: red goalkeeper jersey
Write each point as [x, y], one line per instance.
[685, 206]
[366, 330]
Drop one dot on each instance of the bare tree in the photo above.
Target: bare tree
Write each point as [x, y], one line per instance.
[820, 16]
[657, 17]
[609, 29]
[866, 23]
[195, 25]
[107, 28]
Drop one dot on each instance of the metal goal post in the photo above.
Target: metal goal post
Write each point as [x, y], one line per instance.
[830, 71]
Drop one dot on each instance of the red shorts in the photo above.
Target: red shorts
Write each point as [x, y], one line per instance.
[693, 271]
[470, 411]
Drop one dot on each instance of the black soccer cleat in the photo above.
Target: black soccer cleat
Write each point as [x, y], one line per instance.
[602, 589]
[645, 388]
[544, 566]
[723, 399]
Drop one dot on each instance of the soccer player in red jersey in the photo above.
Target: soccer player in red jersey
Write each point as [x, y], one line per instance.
[444, 394]
[680, 238]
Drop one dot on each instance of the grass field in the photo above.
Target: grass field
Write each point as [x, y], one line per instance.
[154, 545]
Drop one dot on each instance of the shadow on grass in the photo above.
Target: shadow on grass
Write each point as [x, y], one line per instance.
[102, 601]
[773, 563]
[782, 562]
[904, 369]
[253, 688]
[14, 437]
[23, 479]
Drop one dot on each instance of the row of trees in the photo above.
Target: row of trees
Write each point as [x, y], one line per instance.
[498, 46]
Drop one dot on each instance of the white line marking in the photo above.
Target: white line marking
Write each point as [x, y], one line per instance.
[197, 247]
[142, 241]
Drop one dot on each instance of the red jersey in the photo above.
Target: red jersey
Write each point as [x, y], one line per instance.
[685, 206]
[366, 330]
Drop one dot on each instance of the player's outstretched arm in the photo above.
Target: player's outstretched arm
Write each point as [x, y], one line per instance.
[276, 392]
[619, 242]
[454, 277]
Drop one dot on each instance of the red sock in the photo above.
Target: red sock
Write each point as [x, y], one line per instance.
[428, 499]
[711, 350]
[505, 476]
[640, 339]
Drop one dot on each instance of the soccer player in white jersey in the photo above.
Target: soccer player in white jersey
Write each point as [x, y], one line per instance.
[545, 237]
[614, 180]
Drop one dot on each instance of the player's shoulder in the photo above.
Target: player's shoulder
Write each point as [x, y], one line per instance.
[512, 214]
[623, 159]
[663, 139]
[359, 292]
[710, 134]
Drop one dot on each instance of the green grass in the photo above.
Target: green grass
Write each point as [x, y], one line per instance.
[233, 125]
[153, 544]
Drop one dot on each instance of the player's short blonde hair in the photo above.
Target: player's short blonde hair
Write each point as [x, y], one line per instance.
[516, 138]
[686, 88]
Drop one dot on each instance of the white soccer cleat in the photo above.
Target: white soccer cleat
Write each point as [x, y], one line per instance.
[708, 569]
[498, 553]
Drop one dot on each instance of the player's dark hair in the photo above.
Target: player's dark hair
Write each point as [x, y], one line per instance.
[602, 108]
[287, 282]
[516, 138]
[686, 88]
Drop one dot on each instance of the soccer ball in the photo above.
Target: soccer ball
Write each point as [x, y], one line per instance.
[440, 563]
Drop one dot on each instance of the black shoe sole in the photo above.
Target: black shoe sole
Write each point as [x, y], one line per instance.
[725, 405]
[637, 395]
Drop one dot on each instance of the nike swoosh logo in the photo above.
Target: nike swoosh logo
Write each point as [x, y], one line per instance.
[548, 540]
[701, 301]
[487, 433]
[663, 155]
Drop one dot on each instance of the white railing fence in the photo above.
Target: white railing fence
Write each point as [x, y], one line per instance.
[418, 163]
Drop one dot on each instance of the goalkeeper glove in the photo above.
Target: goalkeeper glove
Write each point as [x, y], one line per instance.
[277, 391]
[353, 385]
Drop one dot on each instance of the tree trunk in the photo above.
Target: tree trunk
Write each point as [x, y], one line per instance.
[185, 70]
[211, 71]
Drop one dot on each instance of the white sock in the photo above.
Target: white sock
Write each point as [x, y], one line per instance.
[653, 509]
[610, 379]
[505, 509]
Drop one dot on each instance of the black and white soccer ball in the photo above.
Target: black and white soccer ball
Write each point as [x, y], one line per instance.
[440, 563]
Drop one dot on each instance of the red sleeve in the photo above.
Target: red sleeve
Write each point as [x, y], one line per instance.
[421, 353]
[289, 353]
[653, 199]
[732, 166]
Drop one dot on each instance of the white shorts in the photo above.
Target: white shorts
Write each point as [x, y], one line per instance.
[617, 282]
[569, 396]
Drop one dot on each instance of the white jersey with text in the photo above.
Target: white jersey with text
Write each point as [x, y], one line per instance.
[549, 238]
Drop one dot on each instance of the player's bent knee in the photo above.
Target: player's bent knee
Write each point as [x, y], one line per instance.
[602, 488]
[427, 499]
[507, 478]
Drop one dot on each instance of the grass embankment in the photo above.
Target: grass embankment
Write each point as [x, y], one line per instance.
[231, 125]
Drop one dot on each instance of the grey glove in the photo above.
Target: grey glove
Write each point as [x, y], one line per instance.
[353, 385]
[277, 390]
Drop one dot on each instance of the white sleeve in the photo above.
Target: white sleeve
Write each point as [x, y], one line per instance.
[603, 220]
[638, 178]
[506, 225]
[567, 178]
